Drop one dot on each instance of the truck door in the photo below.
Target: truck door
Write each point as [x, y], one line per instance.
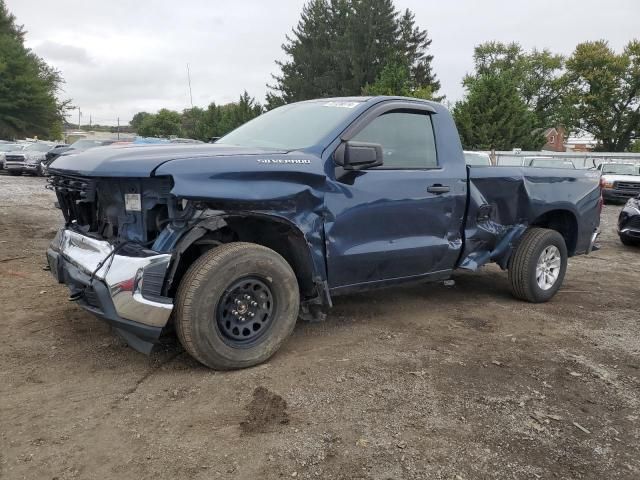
[400, 220]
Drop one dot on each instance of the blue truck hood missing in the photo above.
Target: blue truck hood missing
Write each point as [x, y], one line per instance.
[142, 160]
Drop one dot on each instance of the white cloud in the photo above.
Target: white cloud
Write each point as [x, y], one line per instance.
[120, 57]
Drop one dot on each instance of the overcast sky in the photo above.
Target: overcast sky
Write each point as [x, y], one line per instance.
[119, 57]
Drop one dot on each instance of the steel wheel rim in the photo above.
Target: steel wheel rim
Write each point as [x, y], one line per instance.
[548, 267]
[245, 312]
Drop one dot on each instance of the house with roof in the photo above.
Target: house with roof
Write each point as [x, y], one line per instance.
[555, 137]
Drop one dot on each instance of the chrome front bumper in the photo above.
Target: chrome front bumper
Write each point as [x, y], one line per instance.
[73, 259]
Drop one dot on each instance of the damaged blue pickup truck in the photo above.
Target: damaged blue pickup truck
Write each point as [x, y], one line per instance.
[229, 244]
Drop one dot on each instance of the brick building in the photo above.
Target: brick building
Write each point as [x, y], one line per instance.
[555, 137]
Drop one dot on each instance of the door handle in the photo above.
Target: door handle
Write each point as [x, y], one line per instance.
[437, 188]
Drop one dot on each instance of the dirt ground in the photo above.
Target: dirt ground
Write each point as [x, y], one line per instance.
[431, 381]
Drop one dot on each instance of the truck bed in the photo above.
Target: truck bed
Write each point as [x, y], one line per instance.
[502, 201]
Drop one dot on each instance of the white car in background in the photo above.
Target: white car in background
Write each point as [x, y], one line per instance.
[9, 147]
[620, 180]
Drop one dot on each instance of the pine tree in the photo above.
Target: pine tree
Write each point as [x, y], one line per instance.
[493, 116]
[339, 47]
[416, 43]
[308, 73]
[28, 86]
[372, 39]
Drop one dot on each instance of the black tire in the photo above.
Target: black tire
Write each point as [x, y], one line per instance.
[524, 261]
[629, 242]
[200, 323]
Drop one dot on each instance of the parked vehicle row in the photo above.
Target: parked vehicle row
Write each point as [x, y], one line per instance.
[35, 157]
[482, 159]
[29, 159]
[76, 147]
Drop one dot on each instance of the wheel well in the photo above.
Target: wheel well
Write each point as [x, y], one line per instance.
[562, 221]
[277, 235]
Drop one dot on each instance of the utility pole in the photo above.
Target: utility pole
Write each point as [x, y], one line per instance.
[89, 121]
[118, 128]
[79, 116]
[189, 80]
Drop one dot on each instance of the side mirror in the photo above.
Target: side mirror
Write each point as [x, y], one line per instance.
[358, 155]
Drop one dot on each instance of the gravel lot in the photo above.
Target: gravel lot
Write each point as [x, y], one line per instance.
[430, 381]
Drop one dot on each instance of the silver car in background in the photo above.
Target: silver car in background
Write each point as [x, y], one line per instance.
[6, 147]
[620, 180]
[28, 159]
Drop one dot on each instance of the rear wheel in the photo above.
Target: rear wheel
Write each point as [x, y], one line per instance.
[236, 305]
[538, 265]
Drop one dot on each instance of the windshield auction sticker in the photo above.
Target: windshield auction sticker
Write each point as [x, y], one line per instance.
[341, 104]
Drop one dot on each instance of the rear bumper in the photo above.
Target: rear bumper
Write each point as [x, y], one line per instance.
[117, 292]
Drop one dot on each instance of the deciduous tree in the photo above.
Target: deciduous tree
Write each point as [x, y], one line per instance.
[137, 120]
[605, 92]
[28, 86]
[537, 76]
[163, 124]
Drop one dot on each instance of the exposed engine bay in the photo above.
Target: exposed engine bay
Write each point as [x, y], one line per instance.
[119, 209]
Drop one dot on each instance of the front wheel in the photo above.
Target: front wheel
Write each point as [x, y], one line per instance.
[538, 265]
[236, 305]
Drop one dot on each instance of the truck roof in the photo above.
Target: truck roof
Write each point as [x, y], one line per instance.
[371, 99]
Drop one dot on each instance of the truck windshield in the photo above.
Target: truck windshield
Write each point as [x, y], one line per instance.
[620, 169]
[291, 127]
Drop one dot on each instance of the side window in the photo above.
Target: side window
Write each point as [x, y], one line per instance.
[406, 138]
